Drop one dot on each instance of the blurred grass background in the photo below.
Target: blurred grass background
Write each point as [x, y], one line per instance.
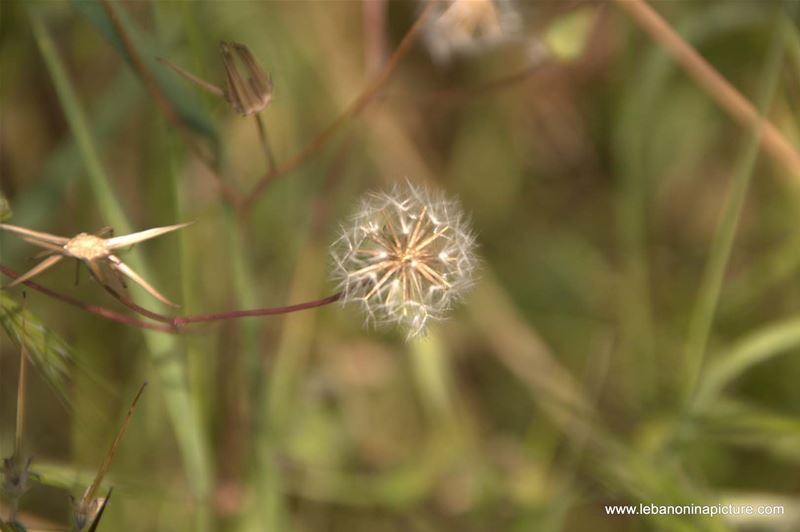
[633, 336]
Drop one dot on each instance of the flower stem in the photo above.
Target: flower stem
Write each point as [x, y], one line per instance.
[229, 193]
[168, 323]
[358, 105]
[180, 321]
[88, 307]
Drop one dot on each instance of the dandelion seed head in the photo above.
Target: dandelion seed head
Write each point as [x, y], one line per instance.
[406, 258]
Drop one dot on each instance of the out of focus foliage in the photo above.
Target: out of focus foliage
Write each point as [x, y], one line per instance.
[595, 362]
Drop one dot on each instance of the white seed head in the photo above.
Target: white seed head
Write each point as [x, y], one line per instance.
[462, 27]
[406, 257]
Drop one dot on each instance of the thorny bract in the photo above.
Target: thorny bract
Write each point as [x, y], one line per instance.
[405, 257]
[92, 250]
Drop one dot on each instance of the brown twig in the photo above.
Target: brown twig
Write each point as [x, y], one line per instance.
[167, 323]
[725, 94]
[358, 105]
[236, 314]
[88, 307]
[88, 497]
[180, 321]
[153, 88]
[203, 84]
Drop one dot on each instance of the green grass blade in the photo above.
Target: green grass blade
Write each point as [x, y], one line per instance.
[704, 311]
[182, 97]
[756, 348]
[162, 348]
[746, 426]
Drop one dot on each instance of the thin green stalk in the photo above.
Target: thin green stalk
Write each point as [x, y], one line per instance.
[651, 88]
[704, 311]
[278, 399]
[432, 374]
[162, 348]
[635, 306]
[199, 374]
[757, 347]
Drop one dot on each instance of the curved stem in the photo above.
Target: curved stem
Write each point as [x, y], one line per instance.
[179, 321]
[716, 86]
[167, 323]
[88, 307]
[236, 314]
[358, 105]
[230, 194]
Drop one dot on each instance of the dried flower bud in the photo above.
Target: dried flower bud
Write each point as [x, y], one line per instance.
[248, 89]
[250, 92]
[406, 257]
[466, 26]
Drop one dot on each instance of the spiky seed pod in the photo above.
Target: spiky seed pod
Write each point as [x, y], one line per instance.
[405, 257]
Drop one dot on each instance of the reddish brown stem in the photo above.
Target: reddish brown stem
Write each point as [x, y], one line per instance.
[236, 314]
[179, 321]
[170, 323]
[716, 86]
[93, 309]
[150, 83]
[358, 105]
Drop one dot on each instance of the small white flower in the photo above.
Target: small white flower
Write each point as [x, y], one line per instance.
[406, 257]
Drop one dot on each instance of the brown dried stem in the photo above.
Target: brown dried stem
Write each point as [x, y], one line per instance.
[88, 307]
[180, 321]
[358, 105]
[104, 467]
[167, 323]
[720, 89]
[228, 192]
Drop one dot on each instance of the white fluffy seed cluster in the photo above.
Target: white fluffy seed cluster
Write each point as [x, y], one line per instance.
[406, 257]
[463, 27]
